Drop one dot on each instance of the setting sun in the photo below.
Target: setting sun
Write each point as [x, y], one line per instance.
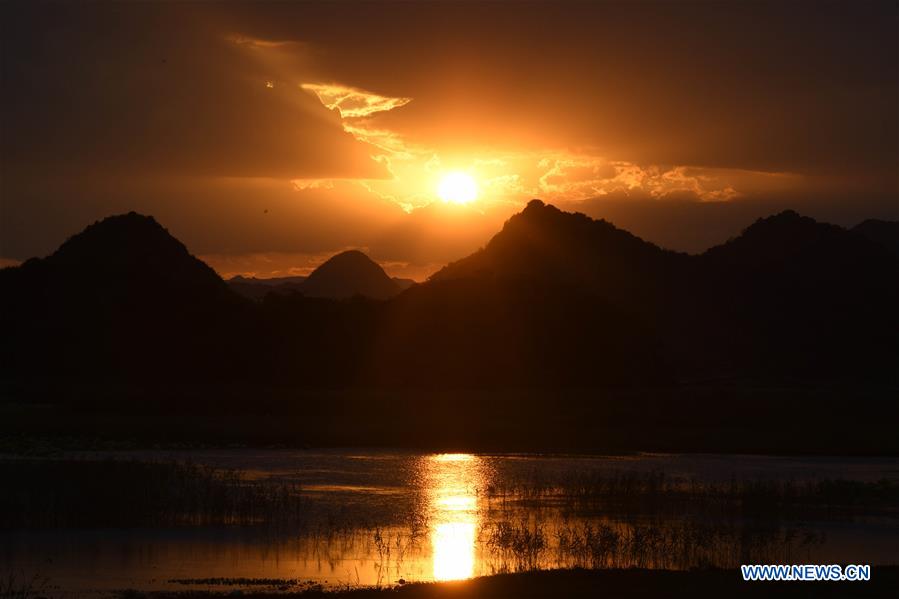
[615, 255]
[458, 188]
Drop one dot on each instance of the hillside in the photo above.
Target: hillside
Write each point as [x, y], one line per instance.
[788, 297]
[347, 274]
[883, 232]
[344, 275]
[121, 297]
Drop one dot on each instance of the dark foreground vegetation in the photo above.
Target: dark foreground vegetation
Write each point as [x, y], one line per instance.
[631, 583]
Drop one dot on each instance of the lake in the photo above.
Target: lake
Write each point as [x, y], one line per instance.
[379, 517]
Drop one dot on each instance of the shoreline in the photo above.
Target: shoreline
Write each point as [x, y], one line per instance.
[42, 447]
[576, 583]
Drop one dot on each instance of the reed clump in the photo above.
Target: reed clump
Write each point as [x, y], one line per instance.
[657, 493]
[517, 546]
[62, 493]
[18, 585]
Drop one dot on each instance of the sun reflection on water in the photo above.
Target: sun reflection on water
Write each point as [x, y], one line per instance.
[452, 482]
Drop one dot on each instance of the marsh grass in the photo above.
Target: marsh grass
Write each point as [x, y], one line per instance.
[517, 546]
[657, 493]
[18, 585]
[593, 520]
[650, 520]
[122, 493]
[523, 546]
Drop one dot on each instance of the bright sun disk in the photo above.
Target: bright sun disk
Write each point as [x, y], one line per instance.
[458, 188]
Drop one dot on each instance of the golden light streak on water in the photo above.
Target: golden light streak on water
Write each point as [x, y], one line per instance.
[453, 481]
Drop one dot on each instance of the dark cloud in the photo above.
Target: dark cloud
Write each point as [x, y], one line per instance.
[165, 108]
[802, 86]
[158, 88]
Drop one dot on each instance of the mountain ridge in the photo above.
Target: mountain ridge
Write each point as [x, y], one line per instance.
[554, 298]
[123, 295]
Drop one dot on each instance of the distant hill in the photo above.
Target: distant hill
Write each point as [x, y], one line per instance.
[883, 232]
[345, 275]
[348, 274]
[256, 289]
[269, 282]
[404, 283]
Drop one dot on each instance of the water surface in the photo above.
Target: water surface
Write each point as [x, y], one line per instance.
[378, 517]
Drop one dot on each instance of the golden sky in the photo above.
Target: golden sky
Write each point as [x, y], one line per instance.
[269, 136]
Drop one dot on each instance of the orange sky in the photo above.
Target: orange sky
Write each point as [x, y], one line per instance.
[269, 136]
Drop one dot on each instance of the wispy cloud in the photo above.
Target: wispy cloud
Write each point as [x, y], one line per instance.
[505, 176]
[571, 178]
[352, 102]
[304, 184]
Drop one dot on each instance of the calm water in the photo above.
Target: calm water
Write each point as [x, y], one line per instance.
[378, 517]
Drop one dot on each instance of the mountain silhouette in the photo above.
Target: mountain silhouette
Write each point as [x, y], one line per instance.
[785, 237]
[542, 302]
[349, 274]
[802, 297]
[121, 296]
[562, 249]
[542, 241]
[787, 295]
[554, 299]
[124, 254]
